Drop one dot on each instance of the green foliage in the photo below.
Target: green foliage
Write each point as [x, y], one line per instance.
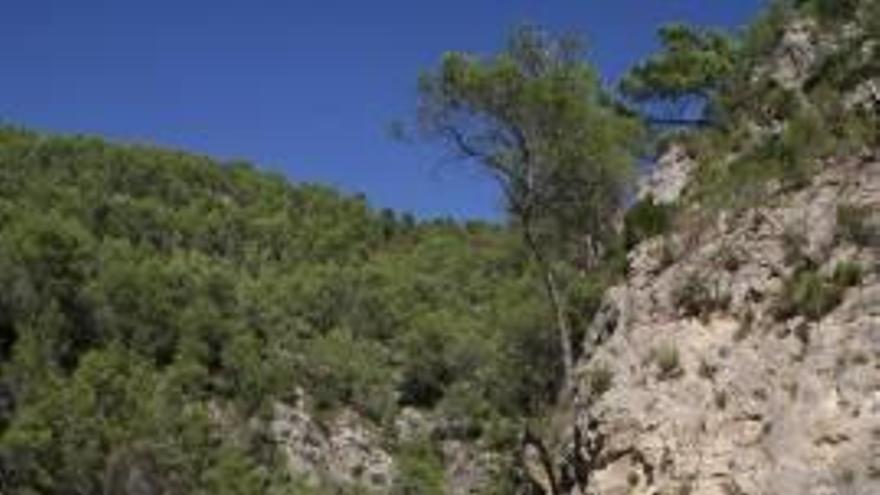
[536, 117]
[762, 36]
[692, 63]
[599, 379]
[831, 11]
[144, 291]
[784, 160]
[344, 370]
[813, 295]
[420, 472]
[697, 297]
[115, 415]
[847, 274]
[668, 362]
[646, 219]
[810, 295]
[857, 225]
[760, 134]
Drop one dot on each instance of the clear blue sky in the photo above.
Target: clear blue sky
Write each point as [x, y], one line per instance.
[303, 87]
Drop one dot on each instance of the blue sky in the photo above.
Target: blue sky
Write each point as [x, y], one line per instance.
[302, 87]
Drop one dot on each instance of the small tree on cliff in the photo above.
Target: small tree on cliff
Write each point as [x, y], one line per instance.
[536, 118]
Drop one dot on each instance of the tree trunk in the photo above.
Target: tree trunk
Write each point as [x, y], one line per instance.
[563, 327]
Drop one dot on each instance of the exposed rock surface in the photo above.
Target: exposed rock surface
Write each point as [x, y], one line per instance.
[345, 450]
[796, 53]
[469, 468]
[712, 391]
[669, 176]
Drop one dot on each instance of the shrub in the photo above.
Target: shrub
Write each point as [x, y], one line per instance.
[599, 380]
[831, 11]
[847, 274]
[668, 362]
[854, 225]
[646, 219]
[420, 471]
[812, 295]
[695, 298]
[466, 412]
[803, 139]
[345, 371]
[809, 294]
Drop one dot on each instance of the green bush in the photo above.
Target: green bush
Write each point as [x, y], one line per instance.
[856, 225]
[646, 219]
[810, 294]
[668, 362]
[599, 379]
[696, 298]
[847, 274]
[813, 295]
[831, 11]
[420, 471]
[342, 370]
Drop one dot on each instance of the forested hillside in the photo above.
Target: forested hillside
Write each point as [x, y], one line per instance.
[144, 288]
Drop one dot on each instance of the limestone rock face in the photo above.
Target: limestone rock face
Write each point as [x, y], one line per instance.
[865, 96]
[796, 54]
[344, 451]
[669, 176]
[712, 390]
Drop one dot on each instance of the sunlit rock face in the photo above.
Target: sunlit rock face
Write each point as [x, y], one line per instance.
[344, 450]
[669, 176]
[714, 389]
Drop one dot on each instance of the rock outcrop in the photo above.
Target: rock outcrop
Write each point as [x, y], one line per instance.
[668, 177]
[344, 450]
[709, 387]
[347, 450]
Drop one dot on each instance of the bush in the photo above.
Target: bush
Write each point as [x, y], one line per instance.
[668, 362]
[696, 299]
[420, 471]
[847, 274]
[762, 162]
[344, 371]
[465, 411]
[854, 225]
[831, 11]
[599, 379]
[646, 219]
[809, 294]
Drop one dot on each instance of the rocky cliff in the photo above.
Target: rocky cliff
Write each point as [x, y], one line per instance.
[738, 357]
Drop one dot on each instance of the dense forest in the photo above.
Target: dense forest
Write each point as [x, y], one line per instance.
[145, 286]
[152, 298]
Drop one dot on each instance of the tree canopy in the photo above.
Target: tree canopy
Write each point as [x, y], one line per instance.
[536, 118]
[675, 85]
[146, 290]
